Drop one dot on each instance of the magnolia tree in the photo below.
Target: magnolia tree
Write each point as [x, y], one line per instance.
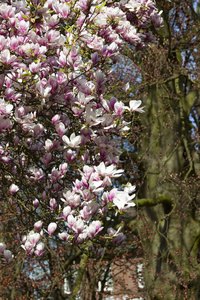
[58, 131]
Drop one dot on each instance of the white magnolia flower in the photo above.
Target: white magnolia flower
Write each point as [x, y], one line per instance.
[52, 228]
[134, 106]
[122, 200]
[108, 171]
[13, 188]
[73, 141]
[94, 117]
[129, 188]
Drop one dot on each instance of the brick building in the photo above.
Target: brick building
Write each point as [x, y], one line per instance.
[125, 281]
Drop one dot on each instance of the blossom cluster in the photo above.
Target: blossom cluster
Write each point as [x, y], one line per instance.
[58, 153]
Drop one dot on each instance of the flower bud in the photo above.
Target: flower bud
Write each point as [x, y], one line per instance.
[38, 225]
[13, 188]
[36, 203]
[2, 247]
[8, 255]
[52, 228]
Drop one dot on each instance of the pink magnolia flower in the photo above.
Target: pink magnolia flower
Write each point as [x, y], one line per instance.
[13, 188]
[119, 108]
[64, 236]
[112, 232]
[53, 83]
[38, 173]
[71, 198]
[52, 21]
[70, 221]
[55, 175]
[112, 102]
[63, 59]
[52, 203]
[63, 9]
[9, 93]
[93, 116]
[157, 19]
[6, 58]
[86, 194]
[48, 145]
[73, 141]
[8, 255]
[39, 249]
[23, 26]
[60, 128]
[82, 237]
[95, 184]
[14, 43]
[52, 228]
[2, 247]
[36, 203]
[89, 210]
[63, 168]
[34, 67]
[94, 57]
[55, 119]
[30, 241]
[119, 239]
[7, 11]
[46, 159]
[69, 155]
[130, 188]
[38, 225]
[44, 91]
[100, 78]
[33, 237]
[66, 212]
[28, 247]
[5, 108]
[5, 123]
[133, 5]
[78, 226]
[94, 228]
[38, 129]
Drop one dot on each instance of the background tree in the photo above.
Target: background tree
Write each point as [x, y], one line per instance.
[165, 144]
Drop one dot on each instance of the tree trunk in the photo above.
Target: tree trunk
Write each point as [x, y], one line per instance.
[168, 220]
